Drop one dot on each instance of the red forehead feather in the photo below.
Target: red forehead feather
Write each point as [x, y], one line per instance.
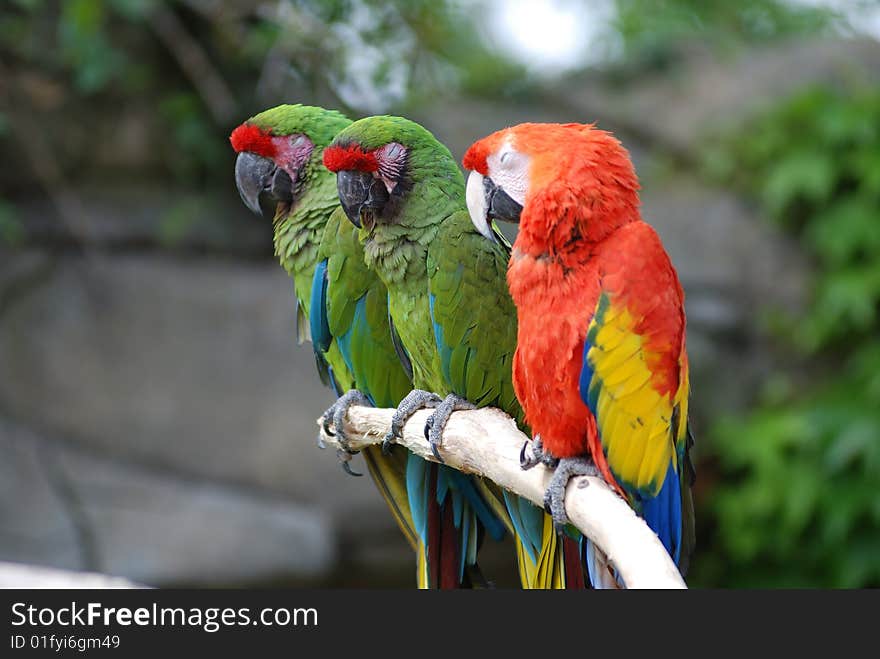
[352, 157]
[475, 157]
[248, 137]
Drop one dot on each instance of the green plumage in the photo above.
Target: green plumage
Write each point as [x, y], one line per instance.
[429, 248]
[314, 229]
[448, 299]
[357, 313]
[472, 307]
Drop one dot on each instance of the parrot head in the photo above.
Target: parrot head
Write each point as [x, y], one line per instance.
[383, 165]
[562, 183]
[279, 150]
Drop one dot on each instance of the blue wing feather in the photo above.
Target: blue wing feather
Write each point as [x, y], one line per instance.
[318, 324]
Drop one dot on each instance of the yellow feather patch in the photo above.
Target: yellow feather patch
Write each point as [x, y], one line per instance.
[633, 419]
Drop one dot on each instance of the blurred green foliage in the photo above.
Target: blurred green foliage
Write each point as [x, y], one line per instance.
[654, 32]
[797, 502]
[361, 56]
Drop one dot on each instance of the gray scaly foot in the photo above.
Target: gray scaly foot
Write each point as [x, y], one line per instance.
[437, 421]
[414, 401]
[336, 414]
[554, 498]
[539, 455]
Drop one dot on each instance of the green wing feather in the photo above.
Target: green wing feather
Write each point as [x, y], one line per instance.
[468, 290]
[357, 315]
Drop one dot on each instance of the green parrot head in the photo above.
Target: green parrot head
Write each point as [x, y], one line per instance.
[279, 154]
[393, 176]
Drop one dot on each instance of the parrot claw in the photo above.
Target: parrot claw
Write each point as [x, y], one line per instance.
[345, 460]
[436, 423]
[554, 498]
[335, 417]
[539, 455]
[388, 442]
[414, 401]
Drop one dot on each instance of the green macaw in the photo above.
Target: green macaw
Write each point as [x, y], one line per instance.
[448, 301]
[350, 309]
[346, 306]
[280, 161]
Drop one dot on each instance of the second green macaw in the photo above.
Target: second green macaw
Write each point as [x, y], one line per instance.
[448, 301]
[345, 306]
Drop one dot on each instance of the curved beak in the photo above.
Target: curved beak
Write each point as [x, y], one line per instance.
[475, 195]
[500, 205]
[362, 197]
[258, 178]
[488, 202]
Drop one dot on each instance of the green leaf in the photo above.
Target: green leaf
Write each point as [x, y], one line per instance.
[845, 230]
[807, 175]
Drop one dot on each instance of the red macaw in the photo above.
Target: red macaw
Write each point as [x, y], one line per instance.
[600, 367]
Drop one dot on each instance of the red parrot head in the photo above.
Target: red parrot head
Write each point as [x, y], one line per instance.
[565, 184]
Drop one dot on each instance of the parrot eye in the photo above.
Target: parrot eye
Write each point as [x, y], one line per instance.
[391, 159]
[505, 157]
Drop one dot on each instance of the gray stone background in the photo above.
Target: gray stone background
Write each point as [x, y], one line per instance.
[157, 416]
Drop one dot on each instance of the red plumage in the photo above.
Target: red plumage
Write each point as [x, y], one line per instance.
[581, 234]
[549, 356]
[351, 157]
[248, 137]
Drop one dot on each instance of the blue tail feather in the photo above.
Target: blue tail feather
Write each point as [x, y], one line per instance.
[494, 526]
[663, 513]
[528, 521]
[417, 493]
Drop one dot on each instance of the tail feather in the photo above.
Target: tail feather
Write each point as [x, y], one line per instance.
[448, 516]
[546, 560]
[549, 572]
[463, 485]
[663, 513]
[527, 522]
[389, 474]
[603, 576]
[574, 568]
[688, 478]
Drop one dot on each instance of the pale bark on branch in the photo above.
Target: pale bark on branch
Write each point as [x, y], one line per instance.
[487, 442]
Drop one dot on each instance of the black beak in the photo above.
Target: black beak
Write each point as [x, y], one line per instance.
[362, 196]
[500, 206]
[257, 177]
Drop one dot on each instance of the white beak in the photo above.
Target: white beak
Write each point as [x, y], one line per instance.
[475, 195]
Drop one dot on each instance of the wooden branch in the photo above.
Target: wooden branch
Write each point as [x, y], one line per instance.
[487, 442]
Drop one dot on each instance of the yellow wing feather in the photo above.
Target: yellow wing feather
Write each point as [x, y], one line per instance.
[634, 419]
